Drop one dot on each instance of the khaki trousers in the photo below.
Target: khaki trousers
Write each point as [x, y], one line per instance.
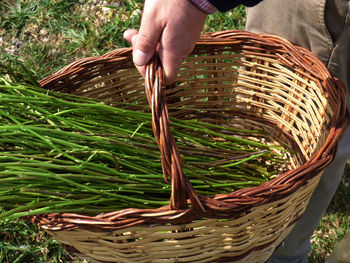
[323, 27]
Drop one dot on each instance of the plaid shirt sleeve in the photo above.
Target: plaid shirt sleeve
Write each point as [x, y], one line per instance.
[212, 6]
[205, 6]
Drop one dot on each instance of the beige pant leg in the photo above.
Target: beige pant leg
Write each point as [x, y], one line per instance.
[322, 26]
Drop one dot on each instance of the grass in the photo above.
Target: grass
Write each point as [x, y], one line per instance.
[335, 223]
[24, 242]
[38, 37]
[43, 35]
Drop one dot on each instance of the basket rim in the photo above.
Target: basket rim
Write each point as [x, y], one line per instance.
[243, 199]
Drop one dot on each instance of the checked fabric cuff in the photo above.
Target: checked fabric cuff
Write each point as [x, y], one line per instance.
[205, 6]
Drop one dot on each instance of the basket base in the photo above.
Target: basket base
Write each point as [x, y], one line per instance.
[250, 238]
[258, 256]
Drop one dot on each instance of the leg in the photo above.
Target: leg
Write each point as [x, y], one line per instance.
[322, 27]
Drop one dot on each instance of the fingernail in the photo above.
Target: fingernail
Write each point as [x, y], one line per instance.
[125, 34]
[140, 57]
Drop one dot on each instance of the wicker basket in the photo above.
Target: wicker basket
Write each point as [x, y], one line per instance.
[233, 78]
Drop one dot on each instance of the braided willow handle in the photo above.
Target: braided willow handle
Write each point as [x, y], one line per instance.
[181, 188]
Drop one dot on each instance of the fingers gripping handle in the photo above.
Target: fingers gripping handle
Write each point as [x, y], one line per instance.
[181, 188]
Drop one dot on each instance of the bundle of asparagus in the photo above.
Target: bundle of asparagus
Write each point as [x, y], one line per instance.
[62, 153]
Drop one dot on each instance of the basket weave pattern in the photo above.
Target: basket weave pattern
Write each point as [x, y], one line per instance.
[232, 78]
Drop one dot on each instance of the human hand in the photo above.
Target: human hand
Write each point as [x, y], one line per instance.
[171, 27]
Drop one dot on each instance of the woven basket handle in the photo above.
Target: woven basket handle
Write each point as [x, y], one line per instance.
[181, 188]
